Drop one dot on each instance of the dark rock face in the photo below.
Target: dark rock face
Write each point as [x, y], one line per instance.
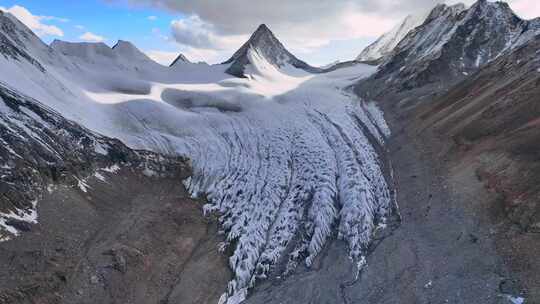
[40, 147]
[452, 43]
[181, 59]
[268, 46]
[113, 225]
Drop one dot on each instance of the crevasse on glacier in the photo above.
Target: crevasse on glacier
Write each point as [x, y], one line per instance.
[284, 183]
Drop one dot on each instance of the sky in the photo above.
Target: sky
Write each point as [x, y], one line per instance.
[317, 31]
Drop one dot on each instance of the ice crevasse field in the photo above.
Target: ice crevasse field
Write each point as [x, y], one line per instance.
[286, 158]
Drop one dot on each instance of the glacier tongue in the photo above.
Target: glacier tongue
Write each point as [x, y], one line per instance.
[283, 180]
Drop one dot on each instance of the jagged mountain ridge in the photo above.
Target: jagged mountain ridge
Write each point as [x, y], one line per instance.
[123, 54]
[265, 44]
[451, 44]
[383, 46]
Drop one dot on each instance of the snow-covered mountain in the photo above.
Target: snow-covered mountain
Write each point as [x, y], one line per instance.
[452, 43]
[286, 158]
[330, 65]
[180, 59]
[128, 51]
[383, 46]
[20, 43]
[123, 55]
[264, 44]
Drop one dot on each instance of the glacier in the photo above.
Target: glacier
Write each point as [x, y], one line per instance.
[285, 158]
[296, 163]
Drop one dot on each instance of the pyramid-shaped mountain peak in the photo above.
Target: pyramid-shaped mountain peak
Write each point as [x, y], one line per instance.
[180, 59]
[265, 43]
[262, 32]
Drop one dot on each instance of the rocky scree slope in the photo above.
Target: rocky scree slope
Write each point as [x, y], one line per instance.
[491, 120]
[497, 111]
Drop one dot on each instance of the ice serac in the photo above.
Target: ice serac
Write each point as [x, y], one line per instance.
[265, 45]
[383, 46]
[452, 43]
[180, 59]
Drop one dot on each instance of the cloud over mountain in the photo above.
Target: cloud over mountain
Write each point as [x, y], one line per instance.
[35, 22]
[91, 37]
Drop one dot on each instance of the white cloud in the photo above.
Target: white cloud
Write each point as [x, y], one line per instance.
[235, 17]
[58, 19]
[162, 57]
[152, 18]
[209, 56]
[79, 27]
[91, 37]
[312, 22]
[35, 23]
[304, 26]
[157, 32]
[194, 32]
[526, 8]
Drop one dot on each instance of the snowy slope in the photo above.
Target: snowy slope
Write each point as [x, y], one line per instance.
[286, 158]
[383, 46]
